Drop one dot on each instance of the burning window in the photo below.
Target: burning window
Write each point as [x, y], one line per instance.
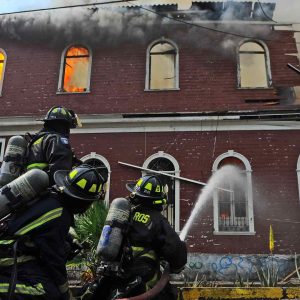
[76, 70]
[253, 66]
[2, 67]
[163, 64]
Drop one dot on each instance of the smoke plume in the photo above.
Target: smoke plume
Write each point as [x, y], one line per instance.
[105, 26]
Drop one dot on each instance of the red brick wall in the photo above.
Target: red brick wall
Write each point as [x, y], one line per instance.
[207, 77]
[273, 158]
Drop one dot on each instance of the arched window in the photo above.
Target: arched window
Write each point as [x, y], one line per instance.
[254, 66]
[233, 211]
[103, 167]
[2, 68]
[167, 164]
[75, 70]
[162, 66]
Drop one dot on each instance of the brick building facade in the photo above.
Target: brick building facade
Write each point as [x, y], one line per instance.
[205, 118]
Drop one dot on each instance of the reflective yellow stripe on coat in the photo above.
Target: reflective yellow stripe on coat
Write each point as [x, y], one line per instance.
[24, 289]
[50, 215]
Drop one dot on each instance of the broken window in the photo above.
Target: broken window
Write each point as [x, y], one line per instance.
[162, 67]
[76, 70]
[233, 203]
[253, 66]
[2, 68]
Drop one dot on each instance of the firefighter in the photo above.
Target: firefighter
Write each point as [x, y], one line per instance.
[50, 148]
[149, 240]
[32, 252]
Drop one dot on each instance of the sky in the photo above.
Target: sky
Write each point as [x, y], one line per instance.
[287, 10]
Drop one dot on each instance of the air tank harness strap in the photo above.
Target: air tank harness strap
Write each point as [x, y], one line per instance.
[15, 202]
[16, 158]
[116, 223]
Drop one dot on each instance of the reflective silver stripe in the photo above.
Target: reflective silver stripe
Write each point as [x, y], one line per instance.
[24, 289]
[4, 262]
[64, 287]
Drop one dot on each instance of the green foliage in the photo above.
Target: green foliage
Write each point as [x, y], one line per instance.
[88, 226]
[87, 231]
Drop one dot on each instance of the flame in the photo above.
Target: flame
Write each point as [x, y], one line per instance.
[1, 65]
[76, 70]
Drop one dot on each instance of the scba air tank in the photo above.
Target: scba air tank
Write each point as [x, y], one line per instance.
[22, 190]
[112, 233]
[12, 164]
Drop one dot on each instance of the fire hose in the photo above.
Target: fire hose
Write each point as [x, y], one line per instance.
[164, 279]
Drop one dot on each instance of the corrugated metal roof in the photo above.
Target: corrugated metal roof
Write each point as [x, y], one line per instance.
[181, 3]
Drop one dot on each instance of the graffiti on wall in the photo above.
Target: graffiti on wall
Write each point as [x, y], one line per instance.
[228, 266]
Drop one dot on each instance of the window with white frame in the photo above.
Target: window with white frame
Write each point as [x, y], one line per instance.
[162, 66]
[253, 65]
[233, 203]
[166, 163]
[75, 70]
[2, 68]
[298, 175]
[102, 165]
[2, 148]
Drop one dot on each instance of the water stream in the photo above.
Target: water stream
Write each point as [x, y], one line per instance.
[218, 180]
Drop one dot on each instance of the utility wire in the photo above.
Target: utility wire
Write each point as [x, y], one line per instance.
[263, 11]
[62, 7]
[201, 26]
[143, 8]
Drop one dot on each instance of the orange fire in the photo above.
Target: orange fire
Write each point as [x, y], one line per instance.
[76, 70]
[1, 65]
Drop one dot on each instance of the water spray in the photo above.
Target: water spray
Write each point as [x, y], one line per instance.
[216, 179]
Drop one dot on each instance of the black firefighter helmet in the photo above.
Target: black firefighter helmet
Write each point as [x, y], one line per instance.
[150, 189]
[62, 114]
[83, 183]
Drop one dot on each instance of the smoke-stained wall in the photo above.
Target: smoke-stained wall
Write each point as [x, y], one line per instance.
[207, 76]
[207, 82]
